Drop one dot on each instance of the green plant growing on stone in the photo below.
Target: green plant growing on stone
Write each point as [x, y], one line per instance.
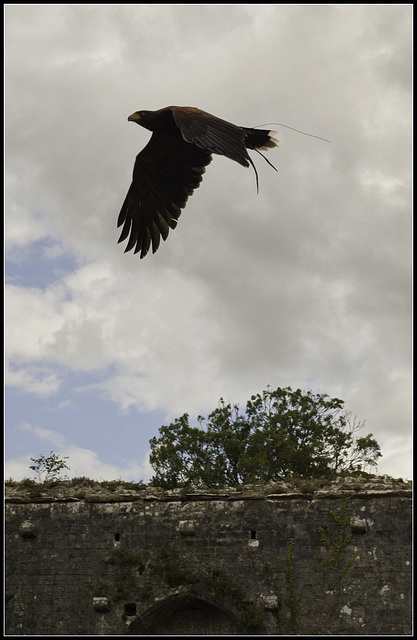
[333, 566]
[176, 572]
[49, 468]
[222, 589]
[99, 588]
[293, 600]
[128, 564]
[250, 615]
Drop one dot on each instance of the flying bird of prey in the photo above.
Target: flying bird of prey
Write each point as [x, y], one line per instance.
[172, 164]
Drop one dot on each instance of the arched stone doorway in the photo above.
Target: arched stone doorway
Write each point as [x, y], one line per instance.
[186, 615]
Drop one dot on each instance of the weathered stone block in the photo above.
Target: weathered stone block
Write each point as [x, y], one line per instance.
[102, 605]
[358, 525]
[28, 530]
[187, 527]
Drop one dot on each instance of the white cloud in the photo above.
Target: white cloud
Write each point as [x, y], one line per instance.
[397, 453]
[33, 379]
[48, 435]
[83, 462]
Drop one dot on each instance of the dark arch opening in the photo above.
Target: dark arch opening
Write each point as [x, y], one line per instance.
[186, 615]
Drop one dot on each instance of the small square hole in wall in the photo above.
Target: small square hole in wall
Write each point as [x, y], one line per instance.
[130, 609]
[252, 534]
[117, 537]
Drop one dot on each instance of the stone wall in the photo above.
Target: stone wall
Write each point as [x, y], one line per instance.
[281, 559]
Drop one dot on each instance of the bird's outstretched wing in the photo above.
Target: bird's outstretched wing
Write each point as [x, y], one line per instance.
[222, 137]
[165, 174]
[212, 133]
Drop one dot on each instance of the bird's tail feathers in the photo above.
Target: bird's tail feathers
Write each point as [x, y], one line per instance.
[260, 139]
[270, 143]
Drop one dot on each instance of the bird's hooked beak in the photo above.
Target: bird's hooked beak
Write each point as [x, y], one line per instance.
[135, 117]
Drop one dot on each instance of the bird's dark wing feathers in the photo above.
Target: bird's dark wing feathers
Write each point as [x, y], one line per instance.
[171, 166]
[210, 132]
[165, 174]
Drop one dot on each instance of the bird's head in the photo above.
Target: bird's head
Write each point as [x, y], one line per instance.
[153, 120]
[139, 117]
[146, 119]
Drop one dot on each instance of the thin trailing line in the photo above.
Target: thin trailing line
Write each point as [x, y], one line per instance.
[279, 124]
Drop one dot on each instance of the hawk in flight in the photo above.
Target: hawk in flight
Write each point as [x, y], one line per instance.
[172, 164]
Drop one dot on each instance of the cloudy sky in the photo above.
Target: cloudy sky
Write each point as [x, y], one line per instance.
[306, 284]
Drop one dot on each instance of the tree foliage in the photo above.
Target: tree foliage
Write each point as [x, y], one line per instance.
[281, 433]
[49, 468]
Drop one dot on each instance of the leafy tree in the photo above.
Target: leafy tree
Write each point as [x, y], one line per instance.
[281, 433]
[49, 468]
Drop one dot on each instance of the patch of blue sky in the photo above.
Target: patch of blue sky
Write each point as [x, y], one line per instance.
[38, 264]
[80, 418]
